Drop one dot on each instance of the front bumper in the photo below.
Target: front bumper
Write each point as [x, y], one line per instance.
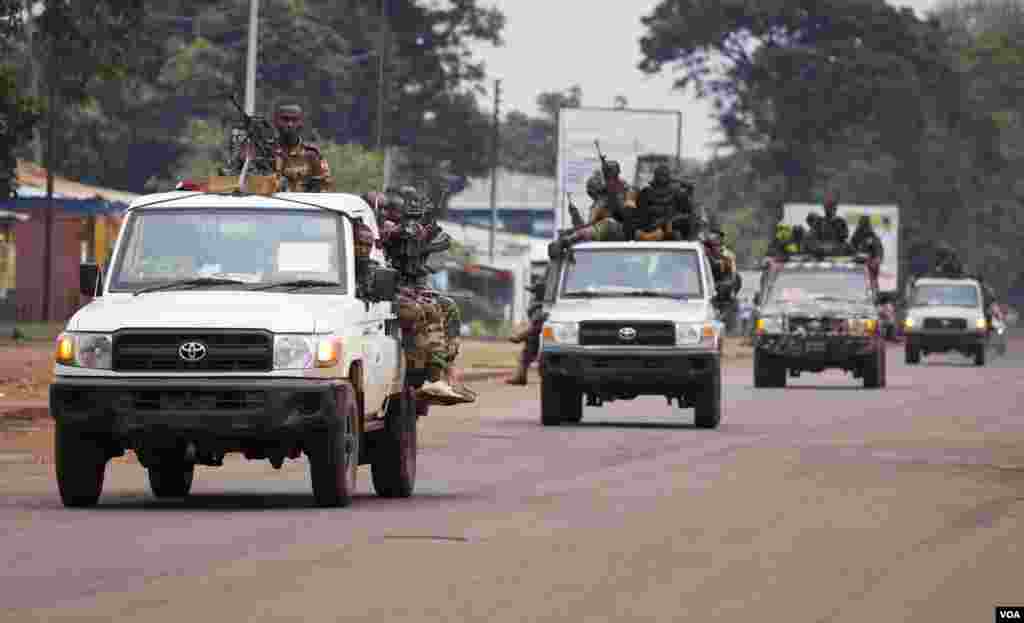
[640, 369]
[939, 340]
[824, 349]
[223, 408]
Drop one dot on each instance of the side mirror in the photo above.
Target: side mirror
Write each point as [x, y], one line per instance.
[757, 298]
[90, 279]
[385, 284]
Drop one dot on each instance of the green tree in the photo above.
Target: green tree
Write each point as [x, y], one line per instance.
[529, 144]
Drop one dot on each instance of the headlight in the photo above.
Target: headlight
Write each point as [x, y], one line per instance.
[562, 332]
[981, 324]
[862, 326]
[908, 323]
[85, 350]
[303, 352]
[770, 324]
[703, 334]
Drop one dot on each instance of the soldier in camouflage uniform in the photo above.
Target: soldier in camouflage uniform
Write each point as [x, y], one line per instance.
[530, 336]
[664, 209]
[609, 220]
[301, 164]
[433, 320]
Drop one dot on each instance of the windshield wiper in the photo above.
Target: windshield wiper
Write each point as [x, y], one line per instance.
[656, 294]
[582, 295]
[194, 283]
[300, 283]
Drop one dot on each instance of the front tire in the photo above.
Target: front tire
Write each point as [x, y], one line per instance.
[980, 355]
[394, 449]
[334, 456]
[81, 466]
[708, 408]
[560, 401]
[912, 355]
[171, 480]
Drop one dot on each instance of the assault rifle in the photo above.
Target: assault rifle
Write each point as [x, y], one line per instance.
[419, 237]
[251, 145]
[574, 214]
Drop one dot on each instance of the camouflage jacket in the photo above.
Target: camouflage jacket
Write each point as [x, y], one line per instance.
[300, 163]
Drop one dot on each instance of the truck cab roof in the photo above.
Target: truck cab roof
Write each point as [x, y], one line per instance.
[343, 203]
[637, 245]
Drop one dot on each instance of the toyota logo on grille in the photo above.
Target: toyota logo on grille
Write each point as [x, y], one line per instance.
[192, 351]
[627, 333]
[946, 323]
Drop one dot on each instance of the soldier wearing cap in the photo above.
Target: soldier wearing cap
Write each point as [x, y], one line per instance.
[298, 162]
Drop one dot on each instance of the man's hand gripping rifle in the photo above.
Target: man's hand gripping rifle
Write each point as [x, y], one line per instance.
[574, 214]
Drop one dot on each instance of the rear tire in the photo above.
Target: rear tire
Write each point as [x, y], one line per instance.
[874, 370]
[393, 450]
[334, 455]
[81, 465]
[560, 401]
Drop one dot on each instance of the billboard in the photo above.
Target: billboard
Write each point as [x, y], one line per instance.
[884, 218]
[624, 135]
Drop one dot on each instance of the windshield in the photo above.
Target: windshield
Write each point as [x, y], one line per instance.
[955, 295]
[255, 247]
[642, 272]
[805, 286]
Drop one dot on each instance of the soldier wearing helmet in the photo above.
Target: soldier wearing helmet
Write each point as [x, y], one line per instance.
[833, 228]
[609, 214]
[784, 243]
[298, 162]
[430, 320]
[664, 209]
[364, 243]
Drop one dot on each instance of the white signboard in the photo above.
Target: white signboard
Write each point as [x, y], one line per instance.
[884, 218]
[623, 134]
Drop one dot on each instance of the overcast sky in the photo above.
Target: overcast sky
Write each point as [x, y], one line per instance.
[553, 44]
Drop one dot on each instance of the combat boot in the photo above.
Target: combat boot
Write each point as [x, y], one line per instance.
[520, 377]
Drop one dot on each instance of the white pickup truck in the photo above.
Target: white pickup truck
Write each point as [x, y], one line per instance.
[629, 319]
[230, 323]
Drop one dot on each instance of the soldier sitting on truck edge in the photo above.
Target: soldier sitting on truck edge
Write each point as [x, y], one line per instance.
[610, 213]
[431, 318]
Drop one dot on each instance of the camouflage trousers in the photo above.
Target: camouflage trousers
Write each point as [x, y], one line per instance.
[430, 326]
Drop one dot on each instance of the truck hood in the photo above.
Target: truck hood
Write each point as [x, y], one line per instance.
[944, 311]
[630, 308]
[275, 312]
[820, 309]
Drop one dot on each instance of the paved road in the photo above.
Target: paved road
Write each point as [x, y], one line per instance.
[823, 502]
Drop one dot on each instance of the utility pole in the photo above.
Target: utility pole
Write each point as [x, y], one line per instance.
[382, 45]
[250, 66]
[51, 159]
[30, 33]
[494, 164]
